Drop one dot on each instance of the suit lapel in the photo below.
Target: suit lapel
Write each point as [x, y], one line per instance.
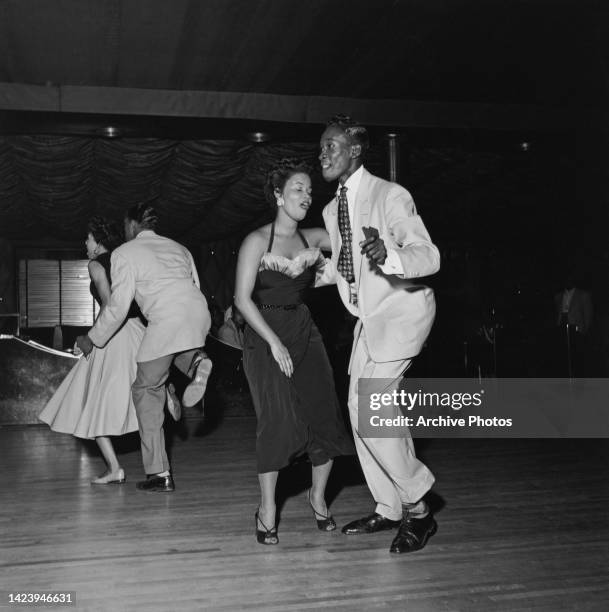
[332, 227]
[361, 215]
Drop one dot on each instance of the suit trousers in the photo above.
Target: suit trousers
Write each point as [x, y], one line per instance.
[148, 392]
[393, 473]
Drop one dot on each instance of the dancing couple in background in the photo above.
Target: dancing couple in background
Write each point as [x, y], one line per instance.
[160, 275]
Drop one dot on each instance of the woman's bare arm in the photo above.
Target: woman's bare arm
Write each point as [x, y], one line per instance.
[100, 280]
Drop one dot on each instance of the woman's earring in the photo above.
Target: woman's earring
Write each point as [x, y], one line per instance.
[280, 201]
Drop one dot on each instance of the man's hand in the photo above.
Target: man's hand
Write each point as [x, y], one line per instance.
[374, 249]
[84, 344]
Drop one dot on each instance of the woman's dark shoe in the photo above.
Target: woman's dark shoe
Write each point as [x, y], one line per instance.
[268, 536]
[326, 523]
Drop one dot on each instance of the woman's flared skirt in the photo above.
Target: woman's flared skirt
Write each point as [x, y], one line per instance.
[95, 397]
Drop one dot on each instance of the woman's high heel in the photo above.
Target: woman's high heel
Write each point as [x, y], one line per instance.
[327, 523]
[268, 536]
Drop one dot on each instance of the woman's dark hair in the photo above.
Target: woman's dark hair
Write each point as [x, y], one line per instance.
[144, 214]
[356, 132]
[279, 175]
[105, 232]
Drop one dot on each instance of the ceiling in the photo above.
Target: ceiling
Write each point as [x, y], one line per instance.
[186, 84]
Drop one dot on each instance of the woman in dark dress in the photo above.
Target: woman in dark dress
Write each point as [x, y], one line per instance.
[284, 359]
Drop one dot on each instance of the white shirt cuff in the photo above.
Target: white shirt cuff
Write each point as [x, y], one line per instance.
[393, 264]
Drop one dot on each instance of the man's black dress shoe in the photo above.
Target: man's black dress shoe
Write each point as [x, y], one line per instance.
[413, 533]
[369, 524]
[162, 484]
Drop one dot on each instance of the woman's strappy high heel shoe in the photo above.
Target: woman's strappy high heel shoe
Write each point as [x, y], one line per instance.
[327, 522]
[268, 537]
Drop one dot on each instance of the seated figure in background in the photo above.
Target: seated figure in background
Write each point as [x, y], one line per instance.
[231, 331]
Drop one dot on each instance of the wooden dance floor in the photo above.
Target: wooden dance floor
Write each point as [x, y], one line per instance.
[523, 525]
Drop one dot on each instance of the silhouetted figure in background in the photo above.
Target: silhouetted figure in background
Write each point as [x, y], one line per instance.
[574, 316]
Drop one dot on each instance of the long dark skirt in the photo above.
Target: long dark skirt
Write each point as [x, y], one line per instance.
[299, 414]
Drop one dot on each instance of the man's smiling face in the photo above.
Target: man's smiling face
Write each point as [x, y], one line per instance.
[338, 156]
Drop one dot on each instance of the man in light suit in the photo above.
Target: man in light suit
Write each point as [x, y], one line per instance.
[378, 282]
[160, 275]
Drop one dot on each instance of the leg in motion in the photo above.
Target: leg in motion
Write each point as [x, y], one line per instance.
[114, 474]
[197, 366]
[317, 496]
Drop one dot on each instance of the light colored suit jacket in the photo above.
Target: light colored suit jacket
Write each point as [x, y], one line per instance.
[160, 275]
[397, 311]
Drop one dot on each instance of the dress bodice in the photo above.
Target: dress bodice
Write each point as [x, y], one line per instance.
[104, 260]
[283, 280]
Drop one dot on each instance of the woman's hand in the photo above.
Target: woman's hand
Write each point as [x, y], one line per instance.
[282, 357]
[84, 344]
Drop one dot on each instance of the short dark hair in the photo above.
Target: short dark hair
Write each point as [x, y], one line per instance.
[277, 177]
[104, 232]
[356, 132]
[144, 213]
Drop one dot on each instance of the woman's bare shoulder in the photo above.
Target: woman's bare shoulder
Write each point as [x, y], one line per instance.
[316, 236]
[95, 267]
[258, 237]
